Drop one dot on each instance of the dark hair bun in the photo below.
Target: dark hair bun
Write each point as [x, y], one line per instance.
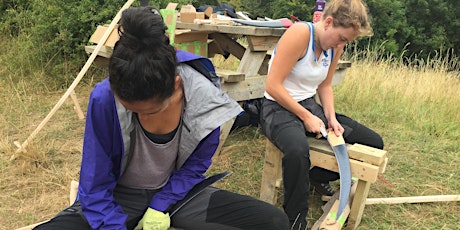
[142, 28]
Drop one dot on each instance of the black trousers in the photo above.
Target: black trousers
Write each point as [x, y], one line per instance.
[285, 130]
[211, 209]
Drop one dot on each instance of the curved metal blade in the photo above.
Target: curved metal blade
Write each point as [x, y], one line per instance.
[341, 155]
[197, 190]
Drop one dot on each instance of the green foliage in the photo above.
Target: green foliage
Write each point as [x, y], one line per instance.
[389, 25]
[12, 15]
[50, 36]
[283, 9]
[206, 2]
[256, 8]
[414, 29]
[435, 24]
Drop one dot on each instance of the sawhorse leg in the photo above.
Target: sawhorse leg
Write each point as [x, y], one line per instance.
[357, 207]
[271, 174]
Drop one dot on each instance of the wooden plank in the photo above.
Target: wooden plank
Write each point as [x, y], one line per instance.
[358, 152]
[214, 48]
[250, 88]
[330, 223]
[264, 66]
[258, 43]
[224, 132]
[343, 64]
[359, 201]
[320, 145]
[105, 51]
[362, 171]
[321, 155]
[246, 30]
[271, 173]
[383, 166]
[77, 107]
[251, 62]
[413, 199]
[365, 173]
[227, 43]
[73, 191]
[328, 207]
[230, 76]
[367, 154]
[30, 227]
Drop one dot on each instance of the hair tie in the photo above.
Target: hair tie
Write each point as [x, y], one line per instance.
[155, 11]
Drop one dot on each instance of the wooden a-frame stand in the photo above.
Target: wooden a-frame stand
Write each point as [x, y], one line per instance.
[71, 90]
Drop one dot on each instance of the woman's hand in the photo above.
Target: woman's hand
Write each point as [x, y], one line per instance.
[336, 127]
[313, 123]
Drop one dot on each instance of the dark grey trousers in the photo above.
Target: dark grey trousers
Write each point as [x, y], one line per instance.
[287, 132]
[212, 209]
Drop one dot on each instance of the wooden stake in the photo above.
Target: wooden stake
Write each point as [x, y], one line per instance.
[76, 81]
[413, 199]
[77, 108]
[73, 191]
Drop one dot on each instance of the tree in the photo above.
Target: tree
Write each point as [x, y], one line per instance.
[256, 8]
[389, 24]
[283, 9]
[435, 24]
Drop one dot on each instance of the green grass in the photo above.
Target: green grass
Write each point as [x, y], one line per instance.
[416, 110]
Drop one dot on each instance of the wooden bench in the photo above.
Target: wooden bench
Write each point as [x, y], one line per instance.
[230, 75]
[366, 164]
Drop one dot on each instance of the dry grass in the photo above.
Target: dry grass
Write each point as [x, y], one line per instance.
[416, 111]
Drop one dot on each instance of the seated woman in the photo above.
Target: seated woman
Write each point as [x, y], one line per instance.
[152, 128]
[302, 65]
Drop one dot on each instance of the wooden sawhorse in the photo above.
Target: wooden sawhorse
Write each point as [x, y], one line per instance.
[366, 164]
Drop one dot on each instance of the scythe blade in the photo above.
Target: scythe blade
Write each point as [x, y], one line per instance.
[341, 154]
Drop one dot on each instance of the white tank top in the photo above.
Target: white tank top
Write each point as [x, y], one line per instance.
[307, 73]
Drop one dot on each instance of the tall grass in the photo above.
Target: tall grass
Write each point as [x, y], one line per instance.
[415, 106]
[416, 109]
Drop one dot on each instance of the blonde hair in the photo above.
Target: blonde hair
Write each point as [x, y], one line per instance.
[349, 13]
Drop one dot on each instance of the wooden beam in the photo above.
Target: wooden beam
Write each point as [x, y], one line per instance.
[224, 132]
[258, 43]
[356, 151]
[250, 88]
[228, 44]
[230, 76]
[330, 223]
[326, 221]
[247, 30]
[271, 173]
[251, 62]
[413, 199]
[360, 170]
[367, 154]
[77, 107]
[359, 202]
[30, 227]
[73, 191]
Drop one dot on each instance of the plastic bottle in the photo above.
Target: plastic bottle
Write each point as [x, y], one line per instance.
[319, 7]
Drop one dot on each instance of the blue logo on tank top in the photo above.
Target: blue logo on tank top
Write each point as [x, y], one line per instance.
[325, 62]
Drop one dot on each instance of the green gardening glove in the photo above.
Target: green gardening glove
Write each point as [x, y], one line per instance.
[154, 220]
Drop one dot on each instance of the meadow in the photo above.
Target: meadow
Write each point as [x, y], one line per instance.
[416, 108]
